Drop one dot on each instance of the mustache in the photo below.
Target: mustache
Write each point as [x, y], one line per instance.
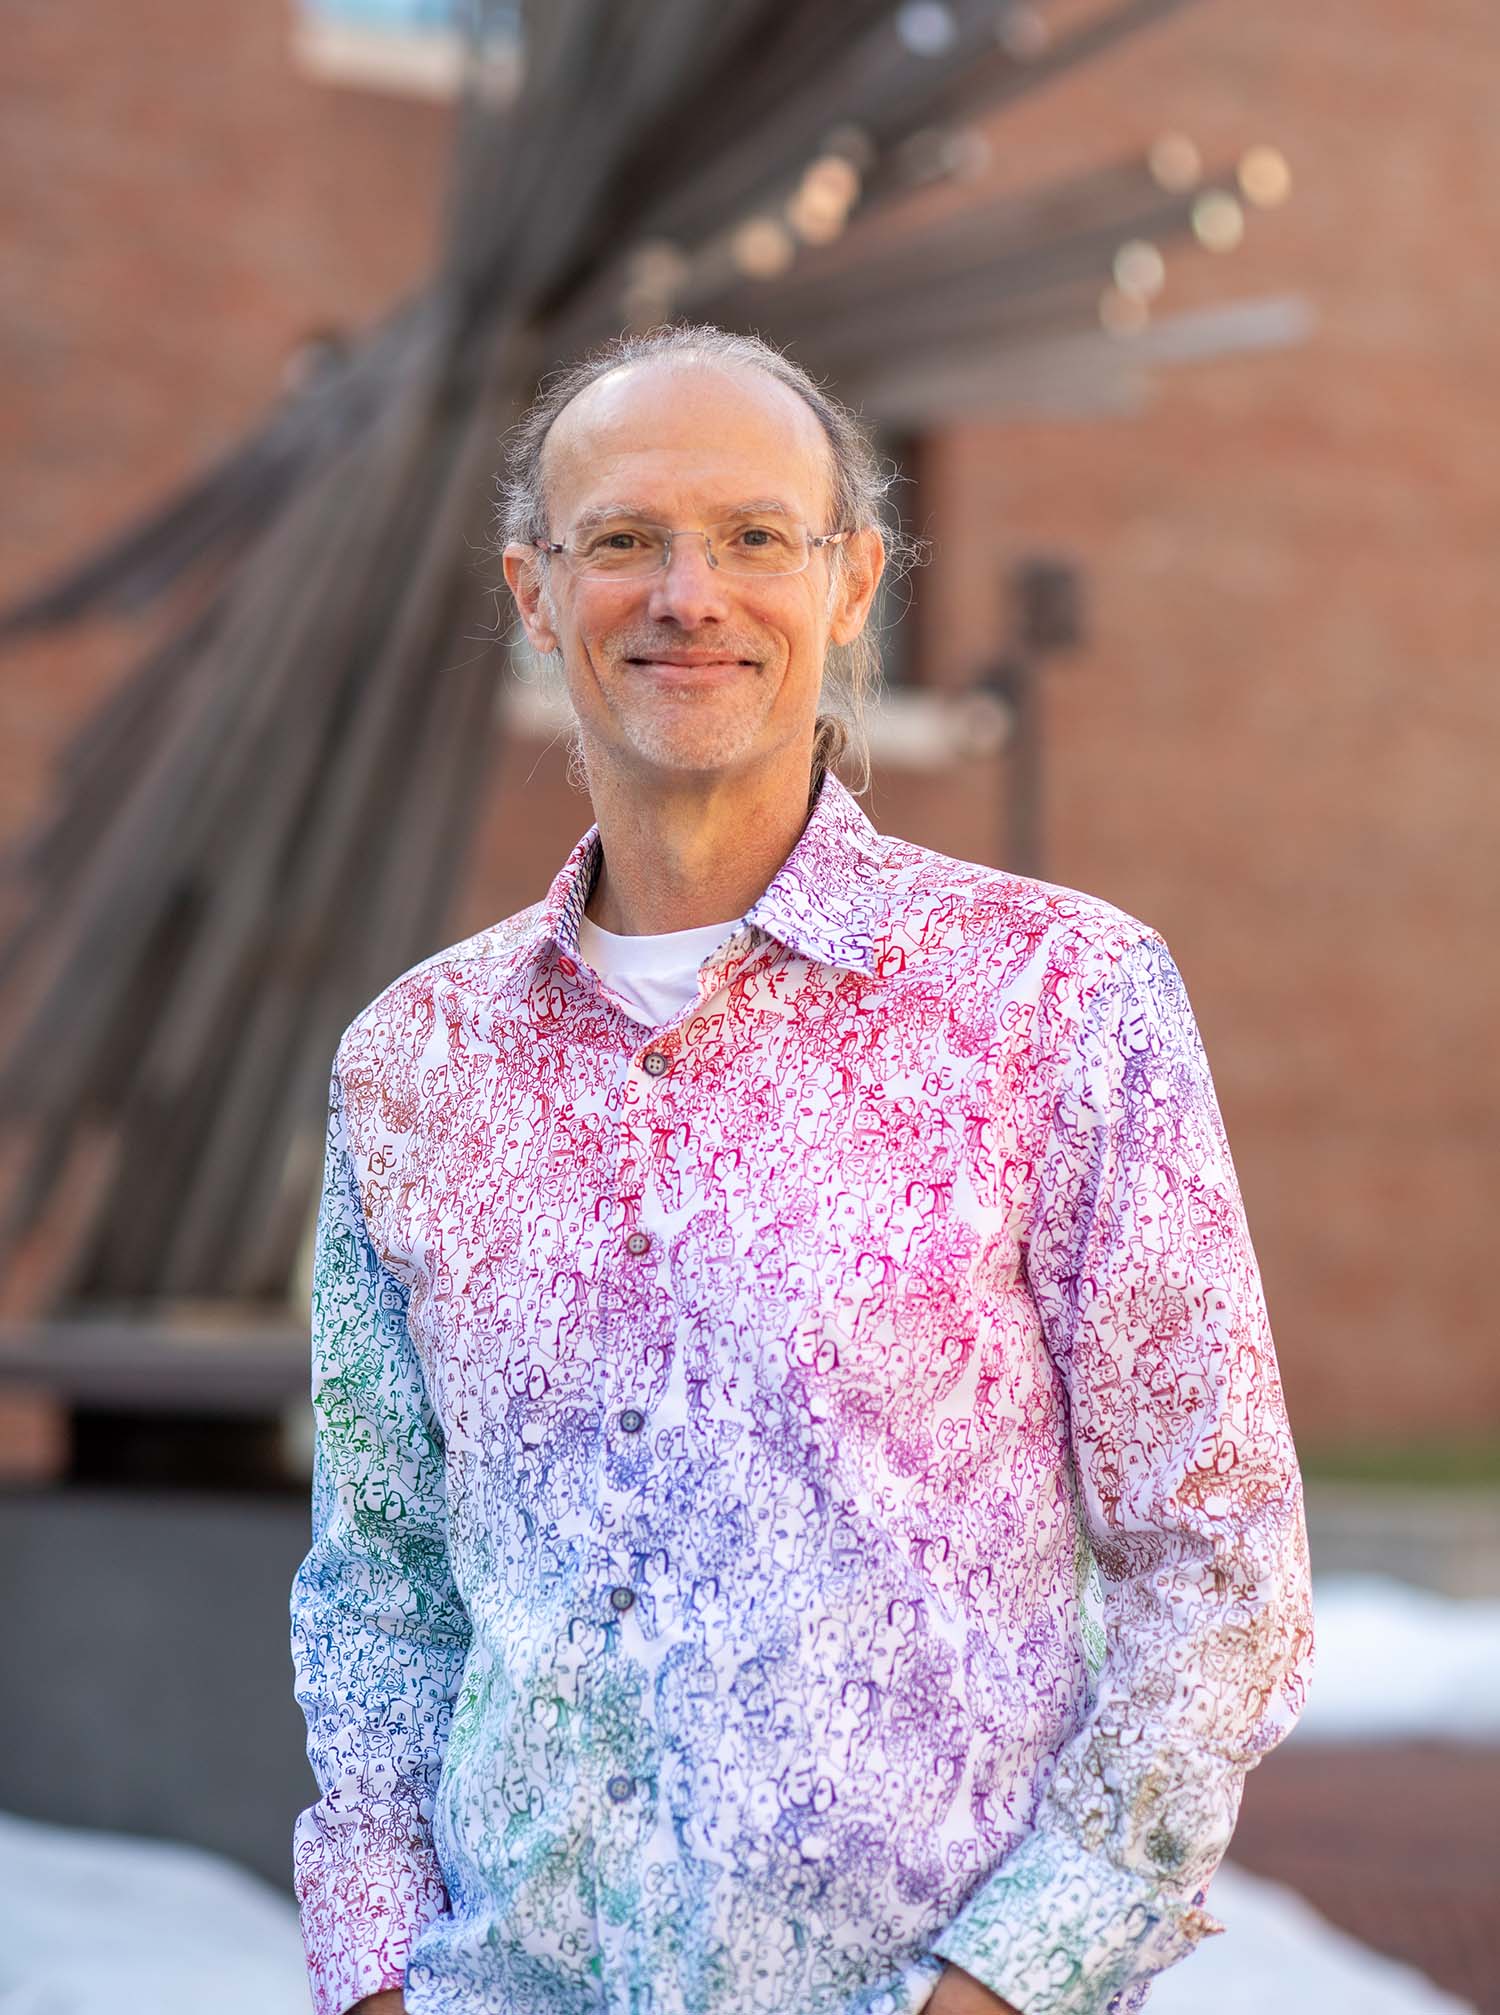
[650, 643]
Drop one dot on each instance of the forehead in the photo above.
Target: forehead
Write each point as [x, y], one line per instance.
[685, 437]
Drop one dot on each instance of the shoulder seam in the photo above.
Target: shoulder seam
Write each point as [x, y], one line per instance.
[449, 958]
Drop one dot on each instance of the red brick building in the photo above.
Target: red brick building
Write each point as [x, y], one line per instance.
[1276, 746]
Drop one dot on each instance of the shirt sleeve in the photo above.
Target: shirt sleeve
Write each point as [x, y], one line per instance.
[379, 1633]
[1189, 1494]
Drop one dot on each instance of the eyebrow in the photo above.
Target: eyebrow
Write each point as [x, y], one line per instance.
[600, 514]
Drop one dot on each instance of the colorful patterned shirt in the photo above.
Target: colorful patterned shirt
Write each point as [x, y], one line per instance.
[801, 1493]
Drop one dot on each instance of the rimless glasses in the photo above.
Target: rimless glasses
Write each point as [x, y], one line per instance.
[630, 548]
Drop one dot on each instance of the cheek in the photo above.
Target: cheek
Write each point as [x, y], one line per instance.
[599, 615]
[801, 624]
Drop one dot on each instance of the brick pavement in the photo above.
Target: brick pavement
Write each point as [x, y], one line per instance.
[1398, 1843]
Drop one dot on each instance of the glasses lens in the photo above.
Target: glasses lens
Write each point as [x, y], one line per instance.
[621, 548]
[760, 545]
[618, 548]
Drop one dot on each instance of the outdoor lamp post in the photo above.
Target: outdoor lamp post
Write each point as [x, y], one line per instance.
[1045, 597]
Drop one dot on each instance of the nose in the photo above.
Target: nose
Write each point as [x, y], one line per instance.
[688, 591]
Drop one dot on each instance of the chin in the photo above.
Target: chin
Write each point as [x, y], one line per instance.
[696, 747]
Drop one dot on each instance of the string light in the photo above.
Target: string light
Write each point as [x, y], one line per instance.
[927, 27]
[1139, 269]
[1175, 163]
[814, 221]
[833, 178]
[1218, 220]
[819, 208]
[1264, 177]
[762, 248]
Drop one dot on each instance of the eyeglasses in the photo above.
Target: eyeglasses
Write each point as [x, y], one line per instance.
[629, 549]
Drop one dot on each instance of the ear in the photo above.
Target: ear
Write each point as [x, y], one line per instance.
[526, 581]
[857, 579]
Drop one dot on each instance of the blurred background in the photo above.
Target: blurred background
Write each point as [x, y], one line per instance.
[1176, 320]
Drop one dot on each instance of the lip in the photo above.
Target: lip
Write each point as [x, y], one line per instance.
[691, 670]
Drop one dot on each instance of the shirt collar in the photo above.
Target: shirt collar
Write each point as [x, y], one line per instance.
[823, 902]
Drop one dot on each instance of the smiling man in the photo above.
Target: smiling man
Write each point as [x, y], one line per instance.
[804, 1517]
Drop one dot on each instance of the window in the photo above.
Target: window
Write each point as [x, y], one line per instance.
[414, 47]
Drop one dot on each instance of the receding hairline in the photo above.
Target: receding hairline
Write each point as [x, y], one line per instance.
[706, 363]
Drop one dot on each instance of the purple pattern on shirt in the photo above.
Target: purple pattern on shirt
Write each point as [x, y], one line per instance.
[794, 1516]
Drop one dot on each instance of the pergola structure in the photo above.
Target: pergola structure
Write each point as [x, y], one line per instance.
[263, 824]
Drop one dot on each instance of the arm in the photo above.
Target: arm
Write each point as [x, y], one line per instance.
[1188, 1489]
[959, 1993]
[379, 1633]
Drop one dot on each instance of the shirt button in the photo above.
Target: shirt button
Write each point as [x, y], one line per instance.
[622, 1598]
[638, 1242]
[620, 1788]
[655, 1064]
[632, 1420]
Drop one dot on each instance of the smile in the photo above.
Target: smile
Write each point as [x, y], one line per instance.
[691, 671]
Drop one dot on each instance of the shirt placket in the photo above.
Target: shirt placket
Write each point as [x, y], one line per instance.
[646, 1207]
[635, 1256]
[623, 1740]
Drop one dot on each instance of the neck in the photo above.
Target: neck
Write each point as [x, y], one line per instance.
[700, 850]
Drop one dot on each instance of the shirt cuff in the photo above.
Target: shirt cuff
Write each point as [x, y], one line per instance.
[360, 1919]
[1057, 1930]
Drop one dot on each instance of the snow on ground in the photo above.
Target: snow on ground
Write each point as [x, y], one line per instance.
[1277, 1953]
[99, 1923]
[107, 1924]
[1396, 1663]
[96, 1923]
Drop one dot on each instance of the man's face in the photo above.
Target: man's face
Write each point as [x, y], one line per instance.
[691, 670]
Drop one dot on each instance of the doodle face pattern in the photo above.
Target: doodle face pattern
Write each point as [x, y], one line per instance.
[801, 1493]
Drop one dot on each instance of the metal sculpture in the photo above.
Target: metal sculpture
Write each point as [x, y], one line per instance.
[265, 821]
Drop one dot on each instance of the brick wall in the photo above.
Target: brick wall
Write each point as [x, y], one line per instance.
[1275, 749]
[181, 208]
[1280, 747]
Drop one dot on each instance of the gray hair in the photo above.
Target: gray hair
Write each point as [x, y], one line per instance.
[861, 489]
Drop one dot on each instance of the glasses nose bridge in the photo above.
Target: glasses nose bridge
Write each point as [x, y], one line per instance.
[702, 532]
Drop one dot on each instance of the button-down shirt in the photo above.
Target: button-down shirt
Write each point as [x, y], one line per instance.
[801, 1493]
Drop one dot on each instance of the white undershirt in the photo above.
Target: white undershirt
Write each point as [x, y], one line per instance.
[659, 974]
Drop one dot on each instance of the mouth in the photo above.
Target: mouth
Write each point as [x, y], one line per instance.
[692, 669]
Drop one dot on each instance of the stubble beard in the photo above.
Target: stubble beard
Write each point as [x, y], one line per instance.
[690, 729]
[695, 730]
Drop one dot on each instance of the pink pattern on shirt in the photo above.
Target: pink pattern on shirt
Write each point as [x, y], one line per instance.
[792, 1516]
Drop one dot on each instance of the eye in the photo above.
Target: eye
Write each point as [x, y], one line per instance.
[759, 538]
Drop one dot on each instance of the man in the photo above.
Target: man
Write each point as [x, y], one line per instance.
[805, 1521]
